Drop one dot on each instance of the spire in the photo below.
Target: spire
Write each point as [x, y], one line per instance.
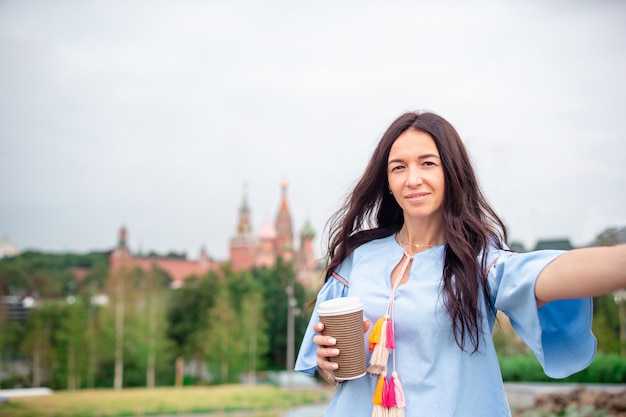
[284, 228]
[244, 228]
[284, 207]
[242, 244]
[121, 242]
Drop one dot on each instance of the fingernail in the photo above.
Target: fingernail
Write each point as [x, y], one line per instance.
[334, 352]
[332, 340]
[334, 365]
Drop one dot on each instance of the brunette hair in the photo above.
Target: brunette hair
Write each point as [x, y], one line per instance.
[371, 212]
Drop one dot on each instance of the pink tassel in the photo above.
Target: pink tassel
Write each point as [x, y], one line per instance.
[400, 400]
[391, 343]
[389, 393]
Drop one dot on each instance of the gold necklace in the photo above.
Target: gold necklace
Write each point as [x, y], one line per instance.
[416, 245]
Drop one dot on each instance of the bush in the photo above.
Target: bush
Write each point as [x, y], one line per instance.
[605, 369]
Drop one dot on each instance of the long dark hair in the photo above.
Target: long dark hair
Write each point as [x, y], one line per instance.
[371, 212]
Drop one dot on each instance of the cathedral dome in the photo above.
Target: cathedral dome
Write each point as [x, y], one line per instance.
[307, 231]
[267, 231]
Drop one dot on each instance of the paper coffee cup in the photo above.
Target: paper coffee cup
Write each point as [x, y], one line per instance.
[343, 320]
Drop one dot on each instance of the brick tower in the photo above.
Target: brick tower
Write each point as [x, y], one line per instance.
[284, 229]
[242, 245]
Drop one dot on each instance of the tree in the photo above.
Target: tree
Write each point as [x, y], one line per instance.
[273, 282]
[73, 344]
[254, 328]
[222, 335]
[187, 319]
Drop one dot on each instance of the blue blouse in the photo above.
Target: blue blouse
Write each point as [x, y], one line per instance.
[439, 379]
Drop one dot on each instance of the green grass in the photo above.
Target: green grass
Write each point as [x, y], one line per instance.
[262, 400]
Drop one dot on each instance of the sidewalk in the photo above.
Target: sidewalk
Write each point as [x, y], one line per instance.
[524, 394]
[518, 394]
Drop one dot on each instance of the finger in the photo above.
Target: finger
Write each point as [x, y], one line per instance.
[325, 353]
[366, 325]
[318, 327]
[324, 341]
[324, 363]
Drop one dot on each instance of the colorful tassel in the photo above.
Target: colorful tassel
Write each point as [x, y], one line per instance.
[378, 392]
[400, 400]
[374, 337]
[390, 342]
[377, 400]
[389, 394]
[380, 354]
[379, 411]
[395, 412]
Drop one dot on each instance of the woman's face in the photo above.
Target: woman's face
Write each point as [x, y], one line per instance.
[415, 175]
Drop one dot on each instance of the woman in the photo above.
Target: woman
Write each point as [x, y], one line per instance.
[419, 245]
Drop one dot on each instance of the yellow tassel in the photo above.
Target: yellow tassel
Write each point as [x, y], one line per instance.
[378, 392]
[380, 354]
[374, 337]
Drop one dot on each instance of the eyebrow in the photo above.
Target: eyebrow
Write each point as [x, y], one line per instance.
[425, 156]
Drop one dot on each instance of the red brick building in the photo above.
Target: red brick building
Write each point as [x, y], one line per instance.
[247, 251]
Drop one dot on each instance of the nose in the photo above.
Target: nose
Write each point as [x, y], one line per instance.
[414, 177]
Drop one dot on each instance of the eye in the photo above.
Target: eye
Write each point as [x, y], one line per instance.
[429, 163]
[396, 168]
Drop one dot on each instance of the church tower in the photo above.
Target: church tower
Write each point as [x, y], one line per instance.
[306, 265]
[284, 229]
[121, 256]
[242, 243]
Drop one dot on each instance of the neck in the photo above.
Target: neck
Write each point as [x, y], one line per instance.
[422, 235]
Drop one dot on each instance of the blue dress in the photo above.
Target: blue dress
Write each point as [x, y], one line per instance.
[439, 379]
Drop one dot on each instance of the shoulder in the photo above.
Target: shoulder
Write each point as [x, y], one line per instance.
[367, 252]
[377, 245]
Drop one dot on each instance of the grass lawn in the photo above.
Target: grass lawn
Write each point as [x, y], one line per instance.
[263, 400]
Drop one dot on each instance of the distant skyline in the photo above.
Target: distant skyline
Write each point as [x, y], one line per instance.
[154, 114]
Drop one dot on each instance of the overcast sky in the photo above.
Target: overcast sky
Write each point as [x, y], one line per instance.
[154, 114]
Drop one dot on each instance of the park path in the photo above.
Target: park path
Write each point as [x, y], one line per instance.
[518, 394]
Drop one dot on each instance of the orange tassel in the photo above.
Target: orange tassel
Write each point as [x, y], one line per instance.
[380, 354]
[374, 337]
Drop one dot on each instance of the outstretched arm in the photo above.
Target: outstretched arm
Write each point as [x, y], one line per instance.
[579, 273]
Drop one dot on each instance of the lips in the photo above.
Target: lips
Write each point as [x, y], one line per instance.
[416, 197]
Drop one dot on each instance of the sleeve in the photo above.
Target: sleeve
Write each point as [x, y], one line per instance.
[559, 333]
[333, 288]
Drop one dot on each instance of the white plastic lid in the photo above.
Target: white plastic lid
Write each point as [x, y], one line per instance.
[342, 305]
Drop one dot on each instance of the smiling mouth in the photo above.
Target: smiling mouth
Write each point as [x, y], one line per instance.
[416, 197]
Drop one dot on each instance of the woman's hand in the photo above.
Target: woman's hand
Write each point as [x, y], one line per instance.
[326, 349]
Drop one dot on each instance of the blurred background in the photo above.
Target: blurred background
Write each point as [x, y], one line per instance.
[156, 114]
[146, 142]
